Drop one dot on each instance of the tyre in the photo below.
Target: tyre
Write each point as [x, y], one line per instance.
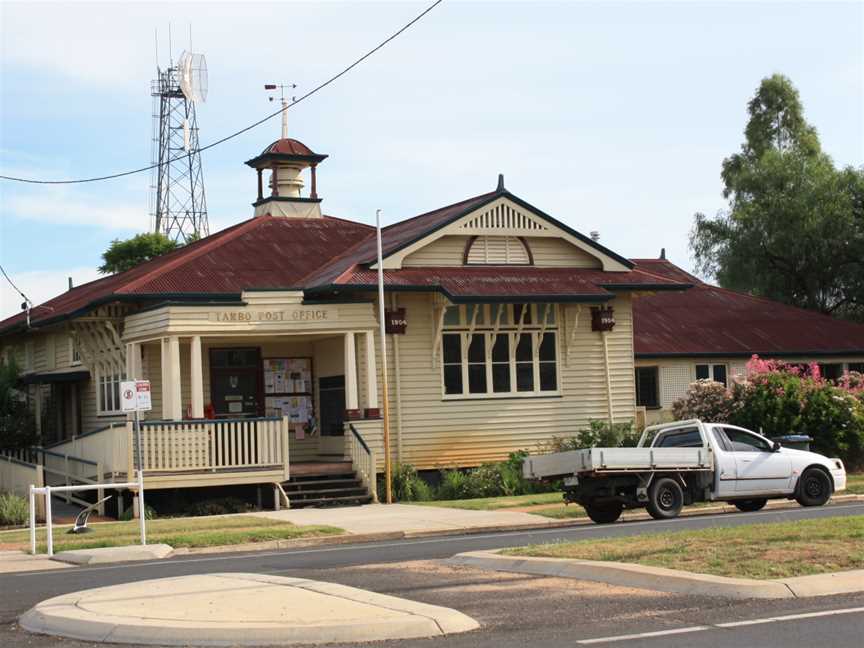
[665, 499]
[750, 505]
[604, 513]
[814, 488]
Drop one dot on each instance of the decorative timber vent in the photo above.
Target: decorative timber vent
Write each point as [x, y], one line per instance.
[497, 250]
[504, 217]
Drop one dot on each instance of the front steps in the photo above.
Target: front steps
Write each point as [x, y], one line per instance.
[330, 485]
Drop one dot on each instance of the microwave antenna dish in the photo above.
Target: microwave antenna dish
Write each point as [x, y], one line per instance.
[193, 76]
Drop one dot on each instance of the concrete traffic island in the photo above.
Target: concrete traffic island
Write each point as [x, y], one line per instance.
[238, 609]
[108, 555]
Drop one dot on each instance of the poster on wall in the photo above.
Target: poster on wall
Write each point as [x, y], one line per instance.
[288, 391]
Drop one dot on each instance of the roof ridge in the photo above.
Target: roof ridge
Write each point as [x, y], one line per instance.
[438, 209]
[332, 259]
[347, 220]
[203, 247]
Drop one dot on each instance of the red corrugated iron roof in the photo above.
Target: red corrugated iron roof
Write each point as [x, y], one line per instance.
[707, 320]
[263, 252]
[288, 146]
[467, 283]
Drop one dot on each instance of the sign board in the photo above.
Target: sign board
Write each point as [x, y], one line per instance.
[602, 319]
[395, 321]
[135, 395]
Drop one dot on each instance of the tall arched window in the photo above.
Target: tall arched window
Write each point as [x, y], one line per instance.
[497, 250]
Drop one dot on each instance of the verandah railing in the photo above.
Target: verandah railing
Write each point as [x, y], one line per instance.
[363, 459]
[211, 445]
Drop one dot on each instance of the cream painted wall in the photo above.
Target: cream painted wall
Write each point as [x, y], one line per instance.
[676, 374]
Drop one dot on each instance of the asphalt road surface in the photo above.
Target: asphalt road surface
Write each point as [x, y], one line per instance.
[514, 610]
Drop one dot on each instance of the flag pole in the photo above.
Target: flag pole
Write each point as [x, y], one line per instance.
[385, 410]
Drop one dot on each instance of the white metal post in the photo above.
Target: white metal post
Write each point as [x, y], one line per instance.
[385, 397]
[49, 529]
[32, 520]
[142, 511]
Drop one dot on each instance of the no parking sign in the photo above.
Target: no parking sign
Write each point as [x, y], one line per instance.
[135, 396]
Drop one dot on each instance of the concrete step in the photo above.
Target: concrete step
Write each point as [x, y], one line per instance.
[332, 501]
[292, 487]
[326, 493]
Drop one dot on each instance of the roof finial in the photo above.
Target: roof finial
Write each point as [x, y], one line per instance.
[500, 188]
[663, 253]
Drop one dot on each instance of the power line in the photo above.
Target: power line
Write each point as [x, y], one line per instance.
[12, 283]
[242, 130]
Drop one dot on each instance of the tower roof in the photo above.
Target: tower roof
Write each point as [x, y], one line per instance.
[286, 150]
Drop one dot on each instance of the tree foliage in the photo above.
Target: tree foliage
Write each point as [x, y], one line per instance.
[123, 255]
[17, 423]
[794, 230]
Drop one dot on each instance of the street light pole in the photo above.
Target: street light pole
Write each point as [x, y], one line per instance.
[385, 410]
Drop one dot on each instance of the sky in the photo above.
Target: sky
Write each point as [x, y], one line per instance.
[609, 116]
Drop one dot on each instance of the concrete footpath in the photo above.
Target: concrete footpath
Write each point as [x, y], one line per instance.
[238, 609]
[661, 579]
[407, 518]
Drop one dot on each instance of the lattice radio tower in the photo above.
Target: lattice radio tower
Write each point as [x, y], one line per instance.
[178, 206]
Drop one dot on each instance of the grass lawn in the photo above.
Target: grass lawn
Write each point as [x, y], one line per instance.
[774, 550]
[177, 532]
[495, 503]
[854, 484]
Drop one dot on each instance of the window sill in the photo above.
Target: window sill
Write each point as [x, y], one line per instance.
[110, 414]
[508, 396]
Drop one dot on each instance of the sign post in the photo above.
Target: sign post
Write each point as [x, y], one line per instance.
[135, 397]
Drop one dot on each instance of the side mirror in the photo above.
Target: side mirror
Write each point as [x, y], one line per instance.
[775, 446]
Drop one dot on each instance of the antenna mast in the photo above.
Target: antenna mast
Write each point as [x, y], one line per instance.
[178, 205]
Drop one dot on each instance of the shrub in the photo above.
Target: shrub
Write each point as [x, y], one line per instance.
[149, 513]
[454, 485]
[706, 400]
[217, 506]
[408, 486]
[13, 510]
[599, 434]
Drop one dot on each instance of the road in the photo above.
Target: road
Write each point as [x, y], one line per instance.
[513, 609]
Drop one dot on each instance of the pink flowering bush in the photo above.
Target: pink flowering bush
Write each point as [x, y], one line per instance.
[706, 400]
[776, 398]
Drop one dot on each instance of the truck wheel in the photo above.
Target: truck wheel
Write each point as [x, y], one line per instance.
[604, 513]
[814, 488]
[665, 499]
[750, 505]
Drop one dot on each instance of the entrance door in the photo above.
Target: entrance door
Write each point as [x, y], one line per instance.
[331, 396]
[235, 382]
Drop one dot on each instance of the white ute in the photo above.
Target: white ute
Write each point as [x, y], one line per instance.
[676, 464]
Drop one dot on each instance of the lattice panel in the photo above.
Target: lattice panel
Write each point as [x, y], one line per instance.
[674, 382]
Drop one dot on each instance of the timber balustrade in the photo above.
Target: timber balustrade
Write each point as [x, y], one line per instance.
[213, 445]
[363, 459]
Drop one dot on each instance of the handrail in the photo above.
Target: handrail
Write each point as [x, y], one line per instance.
[149, 422]
[359, 438]
[64, 456]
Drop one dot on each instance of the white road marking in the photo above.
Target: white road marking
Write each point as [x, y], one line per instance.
[733, 624]
[790, 617]
[588, 527]
[644, 635]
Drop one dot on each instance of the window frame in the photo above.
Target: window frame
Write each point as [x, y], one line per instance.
[74, 352]
[485, 325]
[656, 369]
[712, 371]
[103, 379]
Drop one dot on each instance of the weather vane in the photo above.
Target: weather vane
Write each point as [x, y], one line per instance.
[282, 87]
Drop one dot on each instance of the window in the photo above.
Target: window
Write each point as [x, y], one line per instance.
[715, 372]
[856, 366]
[108, 391]
[647, 387]
[74, 351]
[687, 438]
[832, 371]
[495, 350]
[742, 441]
[29, 356]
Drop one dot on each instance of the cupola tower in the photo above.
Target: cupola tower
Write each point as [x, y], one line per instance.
[286, 160]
